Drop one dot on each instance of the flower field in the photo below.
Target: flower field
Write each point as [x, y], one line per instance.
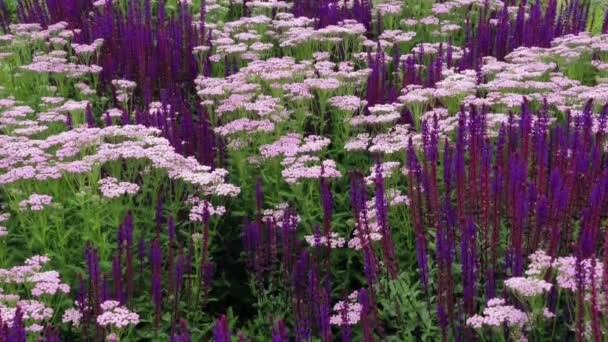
[303, 170]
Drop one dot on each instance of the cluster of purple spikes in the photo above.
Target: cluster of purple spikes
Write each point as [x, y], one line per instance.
[534, 180]
[535, 29]
[170, 277]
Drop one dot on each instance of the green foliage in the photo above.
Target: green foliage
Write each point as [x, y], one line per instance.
[406, 310]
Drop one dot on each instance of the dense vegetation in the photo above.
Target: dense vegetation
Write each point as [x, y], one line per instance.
[314, 170]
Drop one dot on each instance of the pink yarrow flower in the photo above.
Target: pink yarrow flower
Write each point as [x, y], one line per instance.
[35, 202]
[110, 187]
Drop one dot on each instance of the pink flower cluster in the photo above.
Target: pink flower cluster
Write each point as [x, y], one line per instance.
[565, 269]
[72, 316]
[347, 312]
[245, 125]
[197, 212]
[566, 277]
[57, 65]
[293, 144]
[334, 241]
[34, 313]
[370, 229]
[301, 169]
[35, 202]
[347, 103]
[277, 214]
[116, 316]
[110, 187]
[35, 282]
[539, 263]
[25, 159]
[124, 89]
[39, 282]
[527, 287]
[497, 314]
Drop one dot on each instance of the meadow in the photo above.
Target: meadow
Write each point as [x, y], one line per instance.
[303, 170]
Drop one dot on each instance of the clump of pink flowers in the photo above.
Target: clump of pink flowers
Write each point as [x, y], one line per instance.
[34, 313]
[124, 89]
[35, 202]
[334, 241]
[527, 287]
[34, 278]
[72, 316]
[30, 280]
[347, 312]
[202, 208]
[496, 314]
[565, 269]
[115, 316]
[110, 187]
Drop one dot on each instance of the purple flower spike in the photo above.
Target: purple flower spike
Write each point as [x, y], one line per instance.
[221, 330]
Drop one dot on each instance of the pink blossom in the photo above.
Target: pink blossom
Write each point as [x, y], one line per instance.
[497, 314]
[527, 287]
[334, 241]
[110, 187]
[349, 309]
[72, 316]
[35, 202]
[116, 316]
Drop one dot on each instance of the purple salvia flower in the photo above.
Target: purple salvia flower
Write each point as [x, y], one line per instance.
[468, 259]
[68, 122]
[366, 316]
[107, 119]
[396, 56]
[415, 192]
[445, 245]
[501, 44]
[51, 334]
[183, 335]
[5, 16]
[345, 326]
[117, 278]
[92, 259]
[449, 54]
[558, 203]
[81, 300]
[156, 265]
[279, 332]
[221, 330]
[89, 116]
[382, 215]
[250, 242]
[105, 293]
[300, 274]
[125, 117]
[287, 238]
[18, 333]
[581, 285]
[324, 314]
[407, 118]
